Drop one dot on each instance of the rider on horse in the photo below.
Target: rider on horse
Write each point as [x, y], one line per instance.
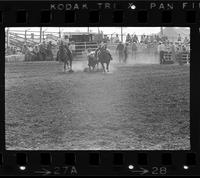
[65, 55]
[104, 56]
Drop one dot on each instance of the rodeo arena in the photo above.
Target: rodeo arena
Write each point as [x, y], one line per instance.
[90, 88]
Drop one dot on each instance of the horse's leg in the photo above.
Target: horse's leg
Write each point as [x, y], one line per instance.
[96, 65]
[107, 66]
[67, 65]
[120, 58]
[70, 63]
[64, 66]
[103, 67]
[93, 67]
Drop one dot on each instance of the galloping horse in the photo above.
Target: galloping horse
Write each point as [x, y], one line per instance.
[104, 57]
[65, 55]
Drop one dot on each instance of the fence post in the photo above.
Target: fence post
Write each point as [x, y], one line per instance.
[25, 35]
[121, 34]
[187, 58]
[40, 34]
[43, 35]
[7, 37]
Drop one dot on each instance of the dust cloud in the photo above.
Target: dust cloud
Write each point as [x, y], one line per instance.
[81, 64]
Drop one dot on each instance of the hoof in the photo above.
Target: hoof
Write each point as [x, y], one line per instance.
[70, 71]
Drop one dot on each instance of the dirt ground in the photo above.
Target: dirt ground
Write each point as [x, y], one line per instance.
[133, 107]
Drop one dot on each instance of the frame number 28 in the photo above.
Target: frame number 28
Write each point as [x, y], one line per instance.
[159, 170]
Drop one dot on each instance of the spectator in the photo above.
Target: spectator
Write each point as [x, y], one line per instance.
[179, 38]
[116, 40]
[135, 39]
[27, 53]
[128, 38]
[186, 41]
[105, 39]
[36, 53]
[42, 52]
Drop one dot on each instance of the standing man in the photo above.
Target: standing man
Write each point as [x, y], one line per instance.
[42, 51]
[186, 41]
[161, 50]
[135, 39]
[179, 38]
[120, 51]
[49, 51]
[134, 49]
[128, 38]
[173, 56]
[116, 39]
[36, 53]
[26, 51]
[125, 52]
[69, 54]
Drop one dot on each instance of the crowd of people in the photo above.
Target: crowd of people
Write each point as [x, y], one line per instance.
[40, 52]
[11, 50]
[161, 44]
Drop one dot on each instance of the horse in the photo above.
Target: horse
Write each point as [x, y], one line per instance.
[104, 57]
[64, 55]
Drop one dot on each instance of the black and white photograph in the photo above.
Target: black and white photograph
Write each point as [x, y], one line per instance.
[97, 88]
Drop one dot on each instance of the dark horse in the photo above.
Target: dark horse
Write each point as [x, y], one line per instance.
[65, 55]
[104, 57]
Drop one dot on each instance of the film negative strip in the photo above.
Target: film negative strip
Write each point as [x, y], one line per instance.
[100, 88]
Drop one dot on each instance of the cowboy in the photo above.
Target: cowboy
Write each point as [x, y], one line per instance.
[107, 50]
[69, 53]
[96, 51]
[42, 51]
[172, 49]
[120, 51]
[72, 48]
[125, 52]
[161, 50]
[49, 50]
[134, 49]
